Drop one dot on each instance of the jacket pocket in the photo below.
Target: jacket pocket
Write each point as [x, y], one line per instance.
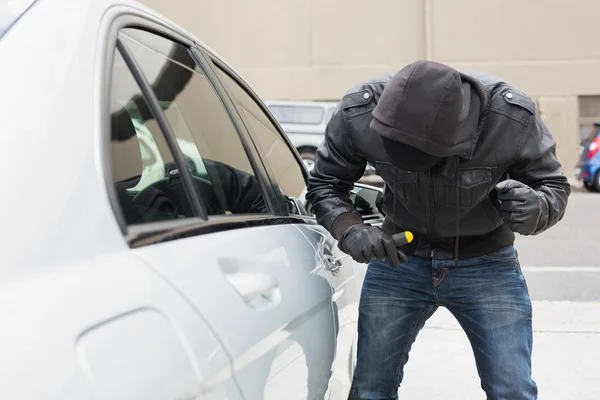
[474, 185]
[400, 182]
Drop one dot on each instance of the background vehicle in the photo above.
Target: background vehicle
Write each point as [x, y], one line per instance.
[167, 251]
[588, 165]
[304, 122]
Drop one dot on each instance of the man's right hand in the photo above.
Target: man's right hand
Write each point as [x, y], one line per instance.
[365, 243]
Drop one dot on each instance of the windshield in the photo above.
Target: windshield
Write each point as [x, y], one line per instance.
[11, 11]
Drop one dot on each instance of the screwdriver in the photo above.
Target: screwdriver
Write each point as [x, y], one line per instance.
[400, 239]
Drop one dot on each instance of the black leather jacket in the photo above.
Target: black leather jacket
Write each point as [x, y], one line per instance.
[513, 142]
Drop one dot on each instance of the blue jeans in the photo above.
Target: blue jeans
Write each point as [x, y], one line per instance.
[487, 295]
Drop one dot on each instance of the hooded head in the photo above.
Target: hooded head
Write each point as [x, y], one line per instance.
[426, 113]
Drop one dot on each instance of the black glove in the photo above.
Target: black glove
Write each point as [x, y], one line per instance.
[365, 243]
[521, 206]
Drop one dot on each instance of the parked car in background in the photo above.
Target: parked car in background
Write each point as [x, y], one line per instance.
[166, 249]
[304, 122]
[588, 165]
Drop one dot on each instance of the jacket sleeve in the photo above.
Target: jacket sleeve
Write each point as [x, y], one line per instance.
[538, 167]
[337, 167]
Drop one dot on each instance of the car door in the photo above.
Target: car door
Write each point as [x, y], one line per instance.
[289, 177]
[245, 267]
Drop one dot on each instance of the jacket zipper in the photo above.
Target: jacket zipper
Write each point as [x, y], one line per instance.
[432, 219]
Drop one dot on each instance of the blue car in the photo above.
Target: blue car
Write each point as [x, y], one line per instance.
[588, 165]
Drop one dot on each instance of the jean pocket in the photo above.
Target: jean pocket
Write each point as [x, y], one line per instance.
[505, 254]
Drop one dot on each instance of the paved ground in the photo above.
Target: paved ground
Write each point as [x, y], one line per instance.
[565, 362]
[562, 267]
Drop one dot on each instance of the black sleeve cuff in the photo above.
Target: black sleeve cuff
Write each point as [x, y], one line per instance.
[344, 221]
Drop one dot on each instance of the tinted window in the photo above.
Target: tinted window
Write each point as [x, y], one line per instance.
[297, 114]
[135, 160]
[205, 133]
[284, 165]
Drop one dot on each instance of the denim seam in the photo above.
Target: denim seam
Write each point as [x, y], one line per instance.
[435, 295]
[411, 339]
[439, 280]
[524, 279]
[499, 259]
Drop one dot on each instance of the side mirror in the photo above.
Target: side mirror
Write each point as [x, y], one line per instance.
[367, 200]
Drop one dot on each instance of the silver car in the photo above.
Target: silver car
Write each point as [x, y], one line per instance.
[156, 242]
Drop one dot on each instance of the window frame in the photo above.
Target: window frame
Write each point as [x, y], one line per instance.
[164, 126]
[257, 162]
[215, 63]
[122, 17]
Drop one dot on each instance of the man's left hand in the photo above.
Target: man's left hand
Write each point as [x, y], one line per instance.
[521, 206]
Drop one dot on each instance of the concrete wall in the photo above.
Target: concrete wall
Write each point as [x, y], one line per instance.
[316, 49]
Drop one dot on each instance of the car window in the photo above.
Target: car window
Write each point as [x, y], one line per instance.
[593, 132]
[304, 115]
[135, 163]
[286, 168]
[205, 133]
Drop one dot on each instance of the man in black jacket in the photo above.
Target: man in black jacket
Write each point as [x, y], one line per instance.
[466, 161]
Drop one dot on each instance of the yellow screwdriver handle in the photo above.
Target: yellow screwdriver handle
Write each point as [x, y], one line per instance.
[402, 238]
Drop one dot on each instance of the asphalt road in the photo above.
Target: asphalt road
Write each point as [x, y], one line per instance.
[563, 263]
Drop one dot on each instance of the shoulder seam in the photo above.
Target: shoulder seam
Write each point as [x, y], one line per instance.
[509, 116]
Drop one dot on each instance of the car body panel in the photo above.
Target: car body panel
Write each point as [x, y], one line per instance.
[62, 191]
[342, 273]
[271, 296]
[587, 170]
[73, 337]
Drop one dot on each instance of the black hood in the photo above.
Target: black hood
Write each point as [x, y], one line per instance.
[428, 112]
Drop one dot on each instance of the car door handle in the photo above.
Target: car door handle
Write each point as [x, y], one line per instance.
[333, 264]
[257, 289]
